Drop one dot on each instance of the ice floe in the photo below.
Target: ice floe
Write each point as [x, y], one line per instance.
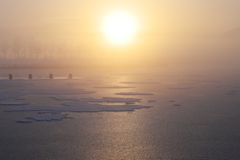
[14, 103]
[49, 117]
[133, 93]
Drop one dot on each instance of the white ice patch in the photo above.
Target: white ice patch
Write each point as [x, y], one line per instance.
[49, 117]
[57, 91]
[14, 103]
[133, 93]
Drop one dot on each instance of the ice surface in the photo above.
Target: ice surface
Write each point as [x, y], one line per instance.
[11, 83]
[208, 81]
[187, 83]
[115, 87]
[179, 87]
[149, 101]
[232, 93]
[11, 94]
[129, 102]
[65, 98]
[53, 112]
[104, 99]
[225, 86]
[49, 117]
[133, 93]
[57, 91]
[4, 87]
[14, 103]
[139, 82]
[78, 106]
[82, 83]
[24, 121]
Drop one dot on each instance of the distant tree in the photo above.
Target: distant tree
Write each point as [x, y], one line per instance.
[45, 50]
[16, 47]
[4, 47]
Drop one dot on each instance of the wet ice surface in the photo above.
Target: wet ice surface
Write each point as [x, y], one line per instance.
[133, 93]
[78, 106]
[11, 94]
[195, 119]
[179, 87]
[104, 99]
[114, 87]
[140, 82]
[49, 117]
[14, 103]
[57, 91]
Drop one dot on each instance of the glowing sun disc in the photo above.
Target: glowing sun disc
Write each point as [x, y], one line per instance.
[119, 27]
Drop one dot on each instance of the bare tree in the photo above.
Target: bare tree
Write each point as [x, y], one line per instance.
[16, 47]
[4, 47]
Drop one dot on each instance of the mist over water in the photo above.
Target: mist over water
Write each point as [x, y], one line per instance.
[171, 92]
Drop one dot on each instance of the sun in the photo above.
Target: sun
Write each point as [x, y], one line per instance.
[120, 27]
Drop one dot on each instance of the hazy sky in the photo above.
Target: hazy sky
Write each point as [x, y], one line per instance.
[79, 21]
[75, 16]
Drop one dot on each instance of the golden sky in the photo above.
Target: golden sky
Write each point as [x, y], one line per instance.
[162, 24]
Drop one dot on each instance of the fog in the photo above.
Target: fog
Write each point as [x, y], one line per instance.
[171, 33]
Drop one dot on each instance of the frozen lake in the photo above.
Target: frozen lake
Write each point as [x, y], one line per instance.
[142, 113]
